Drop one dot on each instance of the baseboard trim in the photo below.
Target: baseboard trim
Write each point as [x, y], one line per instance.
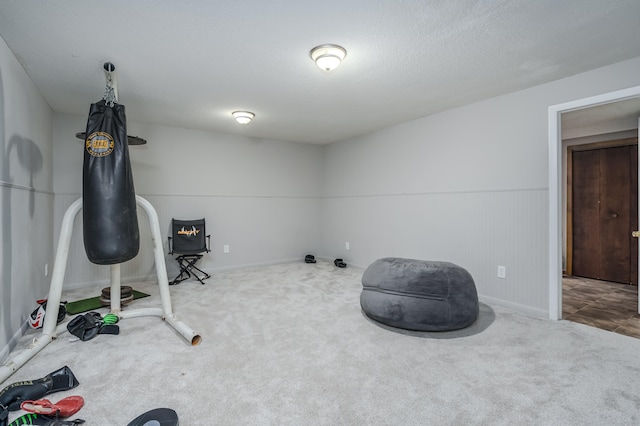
[253, 265]
[107, 283]
[153, 277]
[523, 309]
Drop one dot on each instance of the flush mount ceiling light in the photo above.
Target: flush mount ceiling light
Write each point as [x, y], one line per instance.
[243, 117]
[328, 56]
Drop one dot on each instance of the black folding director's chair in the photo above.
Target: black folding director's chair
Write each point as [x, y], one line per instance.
[189, 240]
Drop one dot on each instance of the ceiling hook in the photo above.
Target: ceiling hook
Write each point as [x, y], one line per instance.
[109, 67]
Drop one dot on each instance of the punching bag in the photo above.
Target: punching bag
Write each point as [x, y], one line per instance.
[108, 198]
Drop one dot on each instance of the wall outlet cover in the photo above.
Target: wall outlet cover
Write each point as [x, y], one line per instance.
[502, 272]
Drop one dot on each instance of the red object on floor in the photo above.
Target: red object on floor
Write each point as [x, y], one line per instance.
[64, 408]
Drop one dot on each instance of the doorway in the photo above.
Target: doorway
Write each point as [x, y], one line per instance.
[601, 255]
[556, 223]
[602, 211]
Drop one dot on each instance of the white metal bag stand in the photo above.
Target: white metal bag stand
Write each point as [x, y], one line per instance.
[50, 330]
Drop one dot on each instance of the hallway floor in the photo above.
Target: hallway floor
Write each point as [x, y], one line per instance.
[601, 304]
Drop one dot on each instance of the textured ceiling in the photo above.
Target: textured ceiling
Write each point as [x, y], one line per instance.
[191, 63]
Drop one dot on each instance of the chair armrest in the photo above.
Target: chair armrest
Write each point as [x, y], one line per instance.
[170, 245]
[208, 243]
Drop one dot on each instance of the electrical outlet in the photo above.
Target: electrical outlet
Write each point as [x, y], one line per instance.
[502, 272]
[226, 248]
[46, 269]
[346, 245]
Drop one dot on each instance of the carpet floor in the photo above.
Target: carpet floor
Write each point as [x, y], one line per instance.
[287, 344]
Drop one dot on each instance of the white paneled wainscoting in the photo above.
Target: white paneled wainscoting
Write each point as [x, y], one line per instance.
[478, 230]
[258, 230]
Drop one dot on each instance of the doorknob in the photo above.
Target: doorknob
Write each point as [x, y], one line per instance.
[635, 234]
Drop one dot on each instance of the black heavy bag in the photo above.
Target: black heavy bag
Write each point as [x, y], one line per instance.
[108, 198]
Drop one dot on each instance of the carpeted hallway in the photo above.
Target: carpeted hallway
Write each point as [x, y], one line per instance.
[287, 344]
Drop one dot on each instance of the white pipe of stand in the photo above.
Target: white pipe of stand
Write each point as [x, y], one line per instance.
[158, 254]
[143, 312]
[183, 329]
[21, 359]
[163, 282]
[115, 288]
[59, 268]
[49, 331]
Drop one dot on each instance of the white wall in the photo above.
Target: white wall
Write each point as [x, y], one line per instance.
[469, 185]
[260, 197]
[26, 197]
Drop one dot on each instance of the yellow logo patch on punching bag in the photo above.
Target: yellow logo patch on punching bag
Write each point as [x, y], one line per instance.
[100, 144]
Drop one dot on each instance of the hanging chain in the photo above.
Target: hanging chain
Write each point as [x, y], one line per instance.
[109, 94]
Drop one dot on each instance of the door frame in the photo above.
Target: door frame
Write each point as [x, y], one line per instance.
[555, 186]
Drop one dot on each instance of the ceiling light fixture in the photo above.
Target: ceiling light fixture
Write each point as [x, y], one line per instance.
[328, 56]
[243, 117]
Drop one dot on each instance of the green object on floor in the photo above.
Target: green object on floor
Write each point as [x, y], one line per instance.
[93, 303]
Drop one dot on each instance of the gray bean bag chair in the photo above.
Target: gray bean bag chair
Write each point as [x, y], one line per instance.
[419, 295]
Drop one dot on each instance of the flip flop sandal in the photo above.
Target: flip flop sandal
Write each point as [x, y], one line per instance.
[66, 407]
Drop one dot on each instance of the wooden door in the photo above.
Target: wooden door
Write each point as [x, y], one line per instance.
[605, 211]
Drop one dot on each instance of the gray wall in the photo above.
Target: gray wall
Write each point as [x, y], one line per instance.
[469, 185]
[260, 197]
[26, 224]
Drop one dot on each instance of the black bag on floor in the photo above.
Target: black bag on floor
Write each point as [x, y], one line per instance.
[60, 380]
[87, 326]
[108, 198]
